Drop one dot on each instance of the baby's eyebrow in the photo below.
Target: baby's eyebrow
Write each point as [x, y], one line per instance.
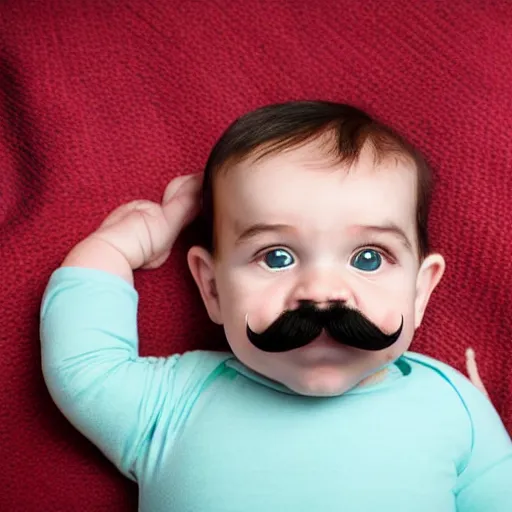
[261, 229]
[387, 228]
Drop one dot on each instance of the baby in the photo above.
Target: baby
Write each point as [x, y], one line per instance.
[318, 266]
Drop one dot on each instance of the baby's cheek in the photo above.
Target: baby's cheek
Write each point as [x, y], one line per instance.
[391, 321]
[263, 311]
[261, 304]
[386, 317]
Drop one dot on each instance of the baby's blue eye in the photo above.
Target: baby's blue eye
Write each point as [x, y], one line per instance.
[278, 259]
[368, 260]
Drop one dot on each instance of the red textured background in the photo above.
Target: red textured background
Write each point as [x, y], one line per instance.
[103, 102]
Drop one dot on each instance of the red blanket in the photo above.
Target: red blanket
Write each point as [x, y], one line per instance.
[103, 102]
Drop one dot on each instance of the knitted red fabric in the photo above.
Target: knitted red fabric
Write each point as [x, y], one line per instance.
[103, 102]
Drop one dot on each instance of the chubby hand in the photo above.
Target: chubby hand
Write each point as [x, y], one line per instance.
[140, 234]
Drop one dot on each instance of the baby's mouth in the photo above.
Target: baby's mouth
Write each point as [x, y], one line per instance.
[324, 340]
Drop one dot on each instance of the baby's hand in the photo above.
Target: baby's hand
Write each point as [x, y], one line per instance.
[140, 234]
[472, 370]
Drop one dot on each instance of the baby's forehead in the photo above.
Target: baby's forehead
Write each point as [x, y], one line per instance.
[264, 173]
[315, 194]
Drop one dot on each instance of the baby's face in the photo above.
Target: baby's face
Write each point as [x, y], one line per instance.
[295, 226]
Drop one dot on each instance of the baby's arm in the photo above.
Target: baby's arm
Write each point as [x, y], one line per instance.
[89, 326]
[485, 485]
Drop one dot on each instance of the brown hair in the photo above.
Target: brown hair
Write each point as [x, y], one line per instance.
[286, 125]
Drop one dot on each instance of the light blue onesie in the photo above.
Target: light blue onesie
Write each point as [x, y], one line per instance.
[200, 432]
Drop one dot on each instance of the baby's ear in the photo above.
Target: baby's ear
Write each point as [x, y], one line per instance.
[200, 263]
[430, 273]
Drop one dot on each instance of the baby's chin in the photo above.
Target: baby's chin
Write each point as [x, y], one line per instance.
[322, 381]
[317, 375]
[323, 368]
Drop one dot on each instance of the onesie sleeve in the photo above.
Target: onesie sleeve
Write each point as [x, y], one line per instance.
[92, 369]
[485, 484]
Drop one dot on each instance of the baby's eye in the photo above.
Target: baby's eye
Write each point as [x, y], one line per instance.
[278, 259]
[367, 260]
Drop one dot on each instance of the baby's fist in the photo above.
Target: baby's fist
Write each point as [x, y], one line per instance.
[144, 231]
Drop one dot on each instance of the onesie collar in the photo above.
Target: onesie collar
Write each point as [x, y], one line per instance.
[395, 371]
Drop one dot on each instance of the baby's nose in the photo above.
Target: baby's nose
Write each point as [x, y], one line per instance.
[323, 287]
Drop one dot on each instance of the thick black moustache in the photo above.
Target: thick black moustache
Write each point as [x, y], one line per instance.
[298, 327]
